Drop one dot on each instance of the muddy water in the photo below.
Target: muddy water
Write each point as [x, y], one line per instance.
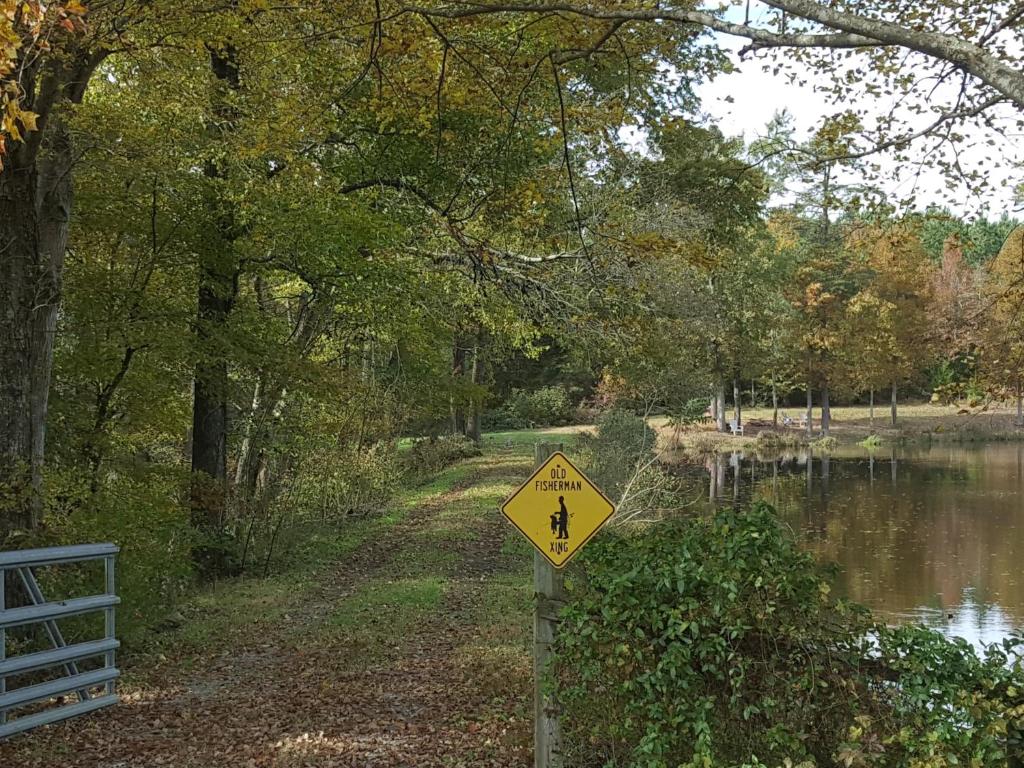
[932, 534]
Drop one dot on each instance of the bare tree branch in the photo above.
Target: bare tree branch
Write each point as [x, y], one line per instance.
[846, 30]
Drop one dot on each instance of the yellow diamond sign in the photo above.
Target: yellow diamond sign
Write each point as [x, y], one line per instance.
[558, 509]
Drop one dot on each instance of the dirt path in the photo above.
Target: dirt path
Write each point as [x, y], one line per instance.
[399, 655]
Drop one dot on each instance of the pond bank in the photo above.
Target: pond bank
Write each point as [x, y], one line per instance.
[924, 532]
[851, 425]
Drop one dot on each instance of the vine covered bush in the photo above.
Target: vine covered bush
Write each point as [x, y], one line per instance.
[717, 643]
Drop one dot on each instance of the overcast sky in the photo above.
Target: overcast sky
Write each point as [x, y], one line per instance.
[757, 95]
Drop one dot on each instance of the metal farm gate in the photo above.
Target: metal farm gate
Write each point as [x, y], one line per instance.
[39, 611]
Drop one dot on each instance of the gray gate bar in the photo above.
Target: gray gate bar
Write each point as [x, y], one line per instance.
[56, 555]
[56, 687]
[61, 655]
[55, 715]
[31, 662]
[34, 614]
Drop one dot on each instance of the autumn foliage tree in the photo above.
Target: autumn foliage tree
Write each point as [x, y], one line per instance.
[899, 344]
[1003, 335]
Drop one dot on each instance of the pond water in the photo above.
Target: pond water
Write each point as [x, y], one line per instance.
[932, 534]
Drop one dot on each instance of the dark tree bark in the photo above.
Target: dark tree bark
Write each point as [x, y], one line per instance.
[22, 276]
[36, 199]
[218, 289]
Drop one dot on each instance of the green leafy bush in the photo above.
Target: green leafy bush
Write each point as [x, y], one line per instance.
[620, 457]
[432, 454]
[956, 378]
[620, 444]
[768, 440]
[545, 407]
[139, 512]
[690, 412]
[343, 479]
[716, 643]
[504, 418]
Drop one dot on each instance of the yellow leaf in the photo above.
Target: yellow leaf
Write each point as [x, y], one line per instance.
[28, 120]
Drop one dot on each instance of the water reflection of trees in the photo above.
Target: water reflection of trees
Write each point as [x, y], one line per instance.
[929, 531]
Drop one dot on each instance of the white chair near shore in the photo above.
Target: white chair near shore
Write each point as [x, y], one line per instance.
[736, 428]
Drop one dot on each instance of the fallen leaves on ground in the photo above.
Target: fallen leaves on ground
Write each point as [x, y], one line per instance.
[294, 695]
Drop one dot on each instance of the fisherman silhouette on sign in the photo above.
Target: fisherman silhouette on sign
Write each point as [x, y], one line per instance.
[562, 519]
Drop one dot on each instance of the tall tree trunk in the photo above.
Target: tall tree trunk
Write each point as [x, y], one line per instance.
[22, 277]
[893, 404]
[473, 425]
[217, 292]
[252, 467]
[871, 409]
[810, 410]
[826, 411]
[93, 448]
[775, 403]
[218, 289]
[245, 450]
[720, 416]
[36, 199]
[458, 407]
[268, 400]
[737, 408]
[1020, 404]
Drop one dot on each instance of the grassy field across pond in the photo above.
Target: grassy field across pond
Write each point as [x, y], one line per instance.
[852, 424]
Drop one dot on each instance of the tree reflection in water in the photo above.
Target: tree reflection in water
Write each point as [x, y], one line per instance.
[930, 533]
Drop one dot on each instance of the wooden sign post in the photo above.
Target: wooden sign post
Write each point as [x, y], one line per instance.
[558, 510]
[549, 595]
